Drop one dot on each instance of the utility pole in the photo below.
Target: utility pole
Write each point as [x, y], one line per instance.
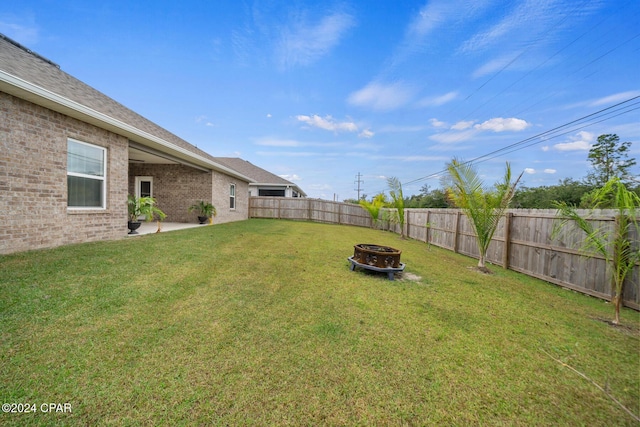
[359, 181]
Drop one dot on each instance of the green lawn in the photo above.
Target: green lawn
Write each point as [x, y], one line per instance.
[262, 323]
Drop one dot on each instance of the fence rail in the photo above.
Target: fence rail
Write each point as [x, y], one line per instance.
[523, 241]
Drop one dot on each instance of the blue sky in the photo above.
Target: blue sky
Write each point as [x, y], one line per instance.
[318, 92]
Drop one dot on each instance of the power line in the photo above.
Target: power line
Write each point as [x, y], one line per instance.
[601, 115]
[593, 54]
[549, 94]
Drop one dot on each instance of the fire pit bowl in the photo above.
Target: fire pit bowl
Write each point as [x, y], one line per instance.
[376, 255]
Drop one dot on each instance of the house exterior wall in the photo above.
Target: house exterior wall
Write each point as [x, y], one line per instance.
[254, 190]
[175, 188]
[33, 180]
[220, 198]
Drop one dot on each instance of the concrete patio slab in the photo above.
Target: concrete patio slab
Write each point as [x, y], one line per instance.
[152, 227]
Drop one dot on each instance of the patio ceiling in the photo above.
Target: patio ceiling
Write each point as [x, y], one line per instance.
[139, 156]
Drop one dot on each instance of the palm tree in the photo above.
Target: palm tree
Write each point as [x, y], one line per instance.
[615, 246]
[374, 207]
[484, 207]
[397, 202]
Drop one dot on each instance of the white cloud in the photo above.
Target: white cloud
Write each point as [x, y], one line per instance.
[545, 148]
[580, 142]
[274, 142]
[615, 98]
[292, 178]
[530, 14]
[493, 65]
[451, 137]
[301, 43]
[205, 121]
[550, 171]
[366, 134]
[462, 125]
[530, 171]
[277, 142]
[327, 123]
[437, 123]
[465, 130]
[500, 124]
[291, 153]
[428, 18]
[381, 97]
[572, 146]
[436, 13]
[436, 101]
[25, 32]
[269, 115]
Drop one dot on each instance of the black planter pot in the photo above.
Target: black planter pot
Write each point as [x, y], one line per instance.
[203, 219]
[133, 226]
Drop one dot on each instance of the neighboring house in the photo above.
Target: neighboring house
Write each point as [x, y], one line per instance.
[263, 183]
[70, 155]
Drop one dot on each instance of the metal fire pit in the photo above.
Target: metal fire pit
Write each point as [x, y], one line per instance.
[376, 258]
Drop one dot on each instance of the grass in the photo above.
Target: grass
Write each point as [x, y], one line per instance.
[262, 323]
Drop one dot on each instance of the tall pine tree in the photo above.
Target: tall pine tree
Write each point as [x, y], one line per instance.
[609, 159]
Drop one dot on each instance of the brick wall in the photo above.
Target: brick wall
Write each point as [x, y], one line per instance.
[33, 179]
[175, 188]
[220, 197]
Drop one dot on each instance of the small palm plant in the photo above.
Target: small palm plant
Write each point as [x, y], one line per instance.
[374, 207]
[483, 206]
[206, 211]
[619, 249]
[143, 207]
[396, 215]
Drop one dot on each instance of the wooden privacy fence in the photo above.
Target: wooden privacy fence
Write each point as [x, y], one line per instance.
[523, 241]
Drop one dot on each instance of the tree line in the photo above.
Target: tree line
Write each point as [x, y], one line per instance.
[608, 158]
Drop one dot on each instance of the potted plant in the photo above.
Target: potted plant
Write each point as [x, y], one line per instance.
[142, 207]
[205, 211]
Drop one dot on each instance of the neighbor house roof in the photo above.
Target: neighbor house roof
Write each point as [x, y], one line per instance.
[259, 176]
[29, 76]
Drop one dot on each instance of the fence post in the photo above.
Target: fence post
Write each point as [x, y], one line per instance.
[507, 240]
[455, 232]
[407, 219]
[427, 226]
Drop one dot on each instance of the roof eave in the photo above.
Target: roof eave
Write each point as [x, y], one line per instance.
[33, 93]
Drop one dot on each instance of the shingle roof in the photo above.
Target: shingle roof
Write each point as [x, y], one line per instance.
[20, 62]
[257, 174]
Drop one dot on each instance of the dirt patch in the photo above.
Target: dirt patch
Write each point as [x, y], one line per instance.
[481, 270]
[629, 329]
[406, 276]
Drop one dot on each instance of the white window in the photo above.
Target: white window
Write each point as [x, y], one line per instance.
[86, 175]
[232, 196]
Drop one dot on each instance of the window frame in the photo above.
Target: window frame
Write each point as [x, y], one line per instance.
[232, 196]
[102, 179]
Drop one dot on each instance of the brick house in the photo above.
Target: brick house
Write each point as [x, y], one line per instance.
[70, 155]
[263, 182]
